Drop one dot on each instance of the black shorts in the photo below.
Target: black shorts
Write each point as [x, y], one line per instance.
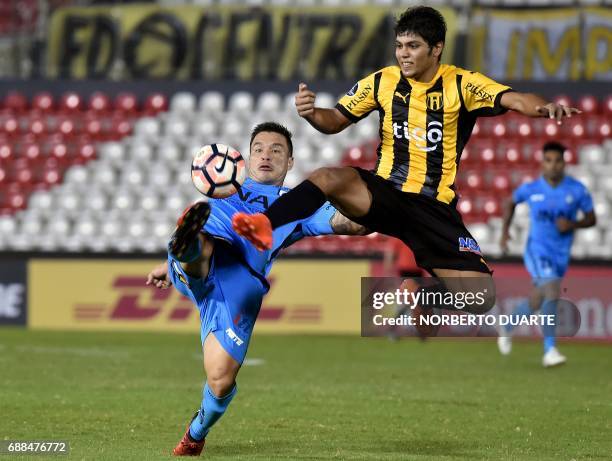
[433, 230]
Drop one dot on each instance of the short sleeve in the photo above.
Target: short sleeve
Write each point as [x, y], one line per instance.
[481, 96]
[320, 222]
[585, 204]
[521, 194]
[360, 100]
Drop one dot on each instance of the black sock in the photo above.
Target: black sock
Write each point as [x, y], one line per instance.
[299, 203]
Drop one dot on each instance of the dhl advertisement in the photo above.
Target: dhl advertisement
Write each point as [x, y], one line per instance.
[224, 42]
[564, 44]
[305, 296]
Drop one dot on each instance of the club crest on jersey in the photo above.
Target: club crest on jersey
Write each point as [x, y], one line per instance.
[435, 101]
[469, 244]
[353, 90]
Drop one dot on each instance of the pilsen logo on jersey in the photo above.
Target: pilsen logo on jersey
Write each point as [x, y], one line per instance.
[479, 92]
[469, 244]
[435, 101]
[360, 97]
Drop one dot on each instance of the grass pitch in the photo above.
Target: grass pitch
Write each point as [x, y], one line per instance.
[129, 396]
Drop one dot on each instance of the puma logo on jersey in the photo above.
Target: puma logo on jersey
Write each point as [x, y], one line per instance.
[402, 96]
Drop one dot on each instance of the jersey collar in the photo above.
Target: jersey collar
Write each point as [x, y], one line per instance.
[264, 188]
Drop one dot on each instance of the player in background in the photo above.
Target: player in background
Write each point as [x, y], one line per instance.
[225, 277]
[554, 200]
[427, 113]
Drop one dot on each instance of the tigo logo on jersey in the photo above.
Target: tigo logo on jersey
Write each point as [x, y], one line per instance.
[469, 244]
[234, 337]
[420, 137]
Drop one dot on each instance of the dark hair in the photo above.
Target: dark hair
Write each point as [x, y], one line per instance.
[424, 21]
[274, 128]
[554, 146]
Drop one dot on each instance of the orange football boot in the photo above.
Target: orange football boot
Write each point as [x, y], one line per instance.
[256, 228]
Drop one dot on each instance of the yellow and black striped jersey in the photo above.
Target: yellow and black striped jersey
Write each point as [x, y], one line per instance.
[423, 126]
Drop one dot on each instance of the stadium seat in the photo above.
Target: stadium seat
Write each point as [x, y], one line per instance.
[155, 103]
[70, 102]
[183, 103]
[588, 105]
[99, 103]
[212, 104]
[126, 103]
[15, 102]
[43, 102]
[241, 104]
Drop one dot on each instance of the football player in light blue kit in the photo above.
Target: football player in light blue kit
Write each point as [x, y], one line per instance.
[554, 200]
[225, 276]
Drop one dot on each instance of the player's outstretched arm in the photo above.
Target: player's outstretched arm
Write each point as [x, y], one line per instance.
[159, 276]
[328, 121]
[342, 225]
[533, 105]
[508, 214]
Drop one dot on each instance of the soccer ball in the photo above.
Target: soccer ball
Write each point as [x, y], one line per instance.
[218, 170]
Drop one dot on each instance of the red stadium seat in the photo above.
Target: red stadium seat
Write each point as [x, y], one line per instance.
[490, 206]
[43, 102]
[6, 152]
[126, 102]
[85, 152]
[563, 99]
[588, 104]
[99, 102]
[70, 102]
[474, 180]
[120, 127]
[501, 182]
[68, 126]
[10, 126]
[155, 103]
[37, 126]
[607, 105]
[15, 102]
[30, 151]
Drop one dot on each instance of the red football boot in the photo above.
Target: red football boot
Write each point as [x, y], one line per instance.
[256, 228]
[187, 446]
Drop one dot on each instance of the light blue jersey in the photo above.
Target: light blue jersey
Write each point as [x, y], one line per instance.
[547, 252]
[230, 297]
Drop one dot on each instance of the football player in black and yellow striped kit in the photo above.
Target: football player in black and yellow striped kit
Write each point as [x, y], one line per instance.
[427, 112]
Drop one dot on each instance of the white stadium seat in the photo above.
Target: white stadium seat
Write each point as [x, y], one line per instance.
[183, 103]
[212, 104]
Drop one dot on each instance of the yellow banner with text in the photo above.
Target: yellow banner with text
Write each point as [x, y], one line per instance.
[559, 44]
[224, 42]
[306, 296]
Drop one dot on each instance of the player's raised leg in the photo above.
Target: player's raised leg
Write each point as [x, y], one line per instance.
[342, 186]
[219, 390]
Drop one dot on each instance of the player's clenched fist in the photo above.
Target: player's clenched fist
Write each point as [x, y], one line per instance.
[304, 101]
